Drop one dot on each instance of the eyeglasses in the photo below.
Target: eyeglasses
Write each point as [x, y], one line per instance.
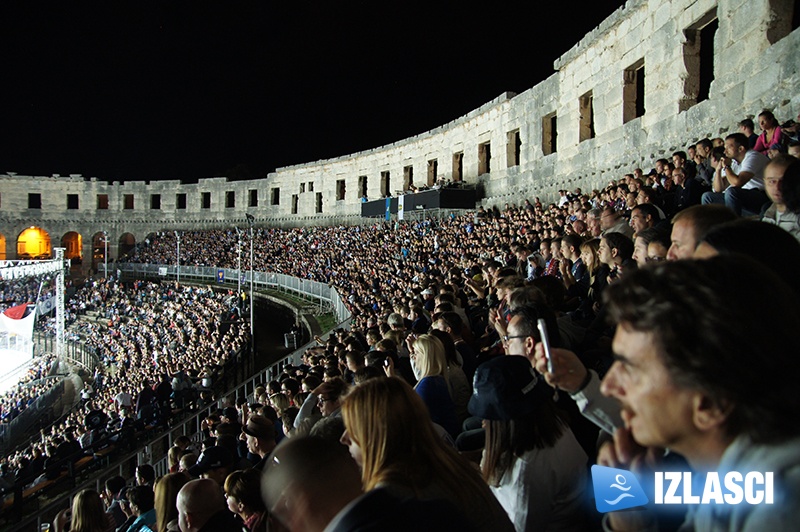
[506, 337]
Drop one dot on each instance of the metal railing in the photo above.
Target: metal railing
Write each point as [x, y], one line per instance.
[261, 281]
[75, 351]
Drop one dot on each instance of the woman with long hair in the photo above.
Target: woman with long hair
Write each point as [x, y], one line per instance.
[429, 363]
[598, 279]
[166, 495]
[532, 461]
[87, 515]
[457, 381]
[390, 435]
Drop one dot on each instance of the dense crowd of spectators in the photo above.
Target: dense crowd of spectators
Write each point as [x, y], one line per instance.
[161, 348]
[653, 298]
[658, 305]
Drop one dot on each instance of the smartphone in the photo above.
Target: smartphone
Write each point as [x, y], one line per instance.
[542, 326]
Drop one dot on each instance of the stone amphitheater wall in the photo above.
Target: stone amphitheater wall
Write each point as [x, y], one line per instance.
[756, 62]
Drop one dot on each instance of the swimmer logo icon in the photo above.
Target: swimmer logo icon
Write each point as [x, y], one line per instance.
[616, 489]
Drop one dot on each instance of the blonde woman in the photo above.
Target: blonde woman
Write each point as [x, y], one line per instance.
[279, 402]
[429, 363]
[87, 515]
[390, 435]
[166, 496]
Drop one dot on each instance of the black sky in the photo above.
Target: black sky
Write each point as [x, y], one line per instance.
[182, 90]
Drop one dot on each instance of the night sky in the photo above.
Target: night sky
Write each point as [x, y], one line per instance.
[183, 90]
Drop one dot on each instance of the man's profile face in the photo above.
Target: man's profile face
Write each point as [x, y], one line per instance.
[544, 249]
[658, 413]
[640, 251]
[683, 241]
[604, 253]
[252, 444]
[638, 221]
[516, 342]
[607, 219]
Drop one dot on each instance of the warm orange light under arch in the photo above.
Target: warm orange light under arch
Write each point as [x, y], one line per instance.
[34, 243]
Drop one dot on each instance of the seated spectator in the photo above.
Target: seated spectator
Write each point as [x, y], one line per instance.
[691, 225]
[324, 401]
[428, 360]
[457, 382]
[214, 463]
[141, 505]
[676, 393]
[770, 132]
[643, 216]
[794, 149]
[612, 222]
[657, 238]
[188, 460]
[742, 186]
[314, 484]
[703, 161]
[243, 492]
[763, 242]
[87, 515]
[615, 251]
[390, 435]
[114, 491]
[747, 128]
[259, 432]
[145, 475]
[201, 506]
[688, 192]
[782, 183]
[166, 497]
[532, 461]
[573, 270]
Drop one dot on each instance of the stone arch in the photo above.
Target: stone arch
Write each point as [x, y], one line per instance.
[34, 243]
[72, 242]
[126, 244]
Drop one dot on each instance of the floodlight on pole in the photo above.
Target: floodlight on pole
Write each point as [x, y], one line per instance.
[105, 254]
[239, 261]
[250, 221]
[178, 271]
